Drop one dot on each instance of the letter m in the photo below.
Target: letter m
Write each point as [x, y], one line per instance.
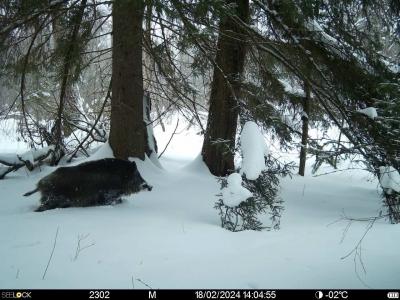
[152, 295]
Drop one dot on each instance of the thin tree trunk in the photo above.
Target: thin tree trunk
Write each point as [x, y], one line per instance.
[65, 85]
[127, 132]
[304, 134]
[70, 97]
[338, 148]
[219, 140]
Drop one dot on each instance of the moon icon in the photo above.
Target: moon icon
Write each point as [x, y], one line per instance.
[319, 295]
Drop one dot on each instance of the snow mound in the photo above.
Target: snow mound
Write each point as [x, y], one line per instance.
[104, 151]
[197, 165]
[389, 179]
[253, 151]
[235, 193]
[369, 112]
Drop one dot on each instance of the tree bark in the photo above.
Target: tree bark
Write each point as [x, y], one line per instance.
[57, 131]
[70, 98]
[219, 140]
[304, 134]
[127, 132]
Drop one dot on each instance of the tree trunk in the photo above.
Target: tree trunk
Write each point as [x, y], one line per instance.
[67, 66]
[127, 132]
[69, 113]
[219, 140]
[304, 134]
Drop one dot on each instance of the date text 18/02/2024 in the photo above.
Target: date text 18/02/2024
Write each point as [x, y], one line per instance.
[235, 294]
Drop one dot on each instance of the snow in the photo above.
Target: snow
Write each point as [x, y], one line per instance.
[319, 31]
[171, 237]
[369, 112]
[9, 158]
[235, 193]
[150, 132]
[31, 156]
[28, 156]
[103, 151]
[389, 179]
[304, 115]
[393, 66]
[40, 152]
[253, 150]
[292, 88]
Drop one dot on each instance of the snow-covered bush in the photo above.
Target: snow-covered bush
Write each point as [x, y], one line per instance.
[243, 202]
[245, 198]
[265, 189]
[236, 206]
[389, 178]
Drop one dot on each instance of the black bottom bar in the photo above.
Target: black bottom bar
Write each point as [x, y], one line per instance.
[202, 294]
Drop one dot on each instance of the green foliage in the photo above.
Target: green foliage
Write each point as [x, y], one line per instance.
[392, 205]
[248, 214]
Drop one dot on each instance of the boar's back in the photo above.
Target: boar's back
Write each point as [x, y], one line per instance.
[91, 177]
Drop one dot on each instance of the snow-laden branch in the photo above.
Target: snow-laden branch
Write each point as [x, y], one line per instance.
[369, 112]
[29, 159]
[254, 149]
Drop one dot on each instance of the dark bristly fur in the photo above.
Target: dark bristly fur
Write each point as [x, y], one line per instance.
[99, 182]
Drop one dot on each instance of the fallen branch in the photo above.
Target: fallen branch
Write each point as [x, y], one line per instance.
[356, 252]
[79, 247]
[51, 255]
[29, 159]
[144, 283]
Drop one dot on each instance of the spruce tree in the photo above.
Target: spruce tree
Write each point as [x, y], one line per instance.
[127, 132]
[219, 140]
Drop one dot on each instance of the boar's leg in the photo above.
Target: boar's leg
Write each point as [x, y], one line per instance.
[51, 202]
[44, 203]
[112, 197]
[41, 208]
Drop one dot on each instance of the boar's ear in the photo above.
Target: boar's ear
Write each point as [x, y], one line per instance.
[133, 164]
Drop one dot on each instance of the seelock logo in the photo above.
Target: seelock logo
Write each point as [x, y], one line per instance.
[16, 295]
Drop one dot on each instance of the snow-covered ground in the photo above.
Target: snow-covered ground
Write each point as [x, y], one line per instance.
[171, 237]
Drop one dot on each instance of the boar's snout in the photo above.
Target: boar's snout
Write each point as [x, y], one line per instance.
[146, 186]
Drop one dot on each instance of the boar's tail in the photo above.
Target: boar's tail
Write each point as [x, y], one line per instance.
[31, 192]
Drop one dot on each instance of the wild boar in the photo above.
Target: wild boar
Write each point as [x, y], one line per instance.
[92, 183]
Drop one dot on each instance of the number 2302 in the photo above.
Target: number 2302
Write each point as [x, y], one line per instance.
[99, 294]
